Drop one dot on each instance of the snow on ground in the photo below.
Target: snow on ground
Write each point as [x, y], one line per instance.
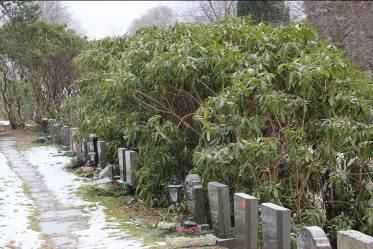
[15, 209]
[101, 233]
[4, 122]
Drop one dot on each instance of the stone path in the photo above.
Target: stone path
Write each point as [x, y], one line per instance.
[63, 219]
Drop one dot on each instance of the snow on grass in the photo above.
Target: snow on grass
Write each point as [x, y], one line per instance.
[4, 122]
[100, 232]
[15, 209]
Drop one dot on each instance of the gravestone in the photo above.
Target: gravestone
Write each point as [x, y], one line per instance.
[246, 221]
[276, 228]
[312, 238]
[101, 151]
[51, 123]
[131, 167]
[352, 239]
[44, 125]
[195, 200]
[65, 137]
[74, 144]
[122, 163]
[57, 133]
[220, 209]
[93, 147]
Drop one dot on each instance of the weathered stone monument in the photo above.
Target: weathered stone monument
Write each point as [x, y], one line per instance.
[51, 123]
[352, 239]
[44, 125]
[131, 167]
[246, 221]
[312, 238]
[65, 137]
[101, 151]
[74, 143]
[276, 226]
[195, 200]
[92, 148]
[122, 163]
[220, 209]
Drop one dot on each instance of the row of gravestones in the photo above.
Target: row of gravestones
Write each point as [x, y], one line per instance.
[276, 221]
[92, 148]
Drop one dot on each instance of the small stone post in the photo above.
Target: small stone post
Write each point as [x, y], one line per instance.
[122, 163]
[131, 167]
[312, 238]
[276, 226]
[246, 221]
[101, 149]
[352, 239]
[220, 209]
[44, 125]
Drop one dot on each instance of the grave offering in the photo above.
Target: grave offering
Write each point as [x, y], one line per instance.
[101, 151]
[276, 226]
[122, 163]
[246, 221]
[131, 167]
[220, 209]
[312, 238]
[195, 202]
[352, 239]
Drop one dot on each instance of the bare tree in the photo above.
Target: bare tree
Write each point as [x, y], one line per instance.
[208, 11]
[348, 24]
[160, 16]
[56, 12]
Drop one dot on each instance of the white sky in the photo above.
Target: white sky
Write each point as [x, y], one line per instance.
[98, 19]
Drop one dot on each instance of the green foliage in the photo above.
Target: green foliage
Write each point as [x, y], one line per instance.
[264, 11]
[276, 112]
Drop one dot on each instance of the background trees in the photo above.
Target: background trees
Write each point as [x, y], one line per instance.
[36, 59]
[348, 24]
[264, 11]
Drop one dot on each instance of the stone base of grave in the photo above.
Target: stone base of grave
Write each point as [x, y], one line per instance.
[194, 242]
[228, 243]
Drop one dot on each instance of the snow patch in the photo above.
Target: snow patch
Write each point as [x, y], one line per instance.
[15, 209]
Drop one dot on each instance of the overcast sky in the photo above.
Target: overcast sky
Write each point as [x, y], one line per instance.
[98, 19]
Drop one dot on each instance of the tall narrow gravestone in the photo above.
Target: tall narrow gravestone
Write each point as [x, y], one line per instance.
[101, 151]
[276, 226]
[74, 144]
[131, 167]
[65, 137]
[312, 238]
[352, 239]
[195, 202]
[220, 209]
[44, 125]
[122, 163]
[246, 221]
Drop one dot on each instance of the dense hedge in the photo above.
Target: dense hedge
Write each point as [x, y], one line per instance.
[274, 111]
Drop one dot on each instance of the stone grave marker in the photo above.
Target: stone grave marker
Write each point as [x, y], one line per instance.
[93, 147]
[74, 143]
[131, 167]
[276, 224]
[44, 125]
[122, 163]
[219, 209]
[312, 238]
[66, 137]
[352, 239]
[101, 151]
[246, 221]
[195, 200]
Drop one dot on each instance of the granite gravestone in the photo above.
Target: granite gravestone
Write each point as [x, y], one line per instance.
[93, 147]
[101, 151]
[195, 200]
[219, 209]
[352, 239]
[246, 221]
[74, 144]
[276, 226]
[312, 238]
[131, 167]
[122, 163]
